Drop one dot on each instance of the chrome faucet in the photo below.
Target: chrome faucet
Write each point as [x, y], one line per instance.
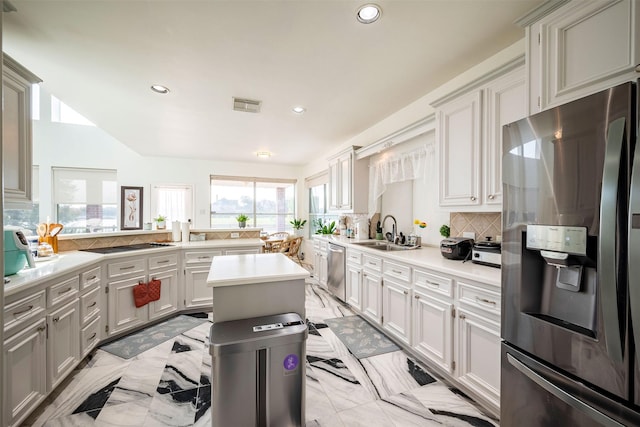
[394, 227]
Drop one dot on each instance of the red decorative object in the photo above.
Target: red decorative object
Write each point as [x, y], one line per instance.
[141, 294]
[154, 290]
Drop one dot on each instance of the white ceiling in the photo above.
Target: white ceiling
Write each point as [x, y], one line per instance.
[101, 56]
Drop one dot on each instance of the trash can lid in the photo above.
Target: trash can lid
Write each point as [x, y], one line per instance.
[244, 335]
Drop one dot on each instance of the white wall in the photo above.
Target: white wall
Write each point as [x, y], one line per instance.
[65, 145]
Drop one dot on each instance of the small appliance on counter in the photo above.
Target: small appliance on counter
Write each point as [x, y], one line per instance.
[487, 252]
[457, 248]
[16, 251]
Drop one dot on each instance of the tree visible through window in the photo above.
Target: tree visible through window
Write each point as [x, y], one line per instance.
[269, 203]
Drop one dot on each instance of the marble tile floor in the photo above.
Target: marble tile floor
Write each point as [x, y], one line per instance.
[170, 385]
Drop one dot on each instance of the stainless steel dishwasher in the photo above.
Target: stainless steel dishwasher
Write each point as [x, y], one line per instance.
[336, 278]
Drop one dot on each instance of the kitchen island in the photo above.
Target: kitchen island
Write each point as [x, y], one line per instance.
[255, 285]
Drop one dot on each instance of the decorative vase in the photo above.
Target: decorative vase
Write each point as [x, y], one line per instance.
[161, 225]
[242, 224]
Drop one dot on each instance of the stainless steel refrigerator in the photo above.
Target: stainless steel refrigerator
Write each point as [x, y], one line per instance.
[571, 264]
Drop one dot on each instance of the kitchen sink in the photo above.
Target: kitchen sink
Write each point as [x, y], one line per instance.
[381, 245]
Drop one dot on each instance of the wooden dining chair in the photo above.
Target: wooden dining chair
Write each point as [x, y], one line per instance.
[291, 248]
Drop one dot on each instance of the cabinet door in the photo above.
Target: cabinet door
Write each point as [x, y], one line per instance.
[123, 313]
[197, 293]
[396, 309]
[168, 302]
[354, 286]
[372, 296]
[478, 355]
[346, 176]
[334, 185]
[16, 137]
[505, 102]
[63, 343]
[432, 329]
[23, 372]
[584, 47]
[459, 136]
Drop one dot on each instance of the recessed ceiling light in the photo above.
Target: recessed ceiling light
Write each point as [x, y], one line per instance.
[159, 89]
[369, 13]
[299, 110]
[263, 154]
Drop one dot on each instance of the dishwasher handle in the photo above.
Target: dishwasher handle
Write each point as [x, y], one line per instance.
[336, 248]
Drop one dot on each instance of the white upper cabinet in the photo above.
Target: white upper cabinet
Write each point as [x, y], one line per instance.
[16, 132]
[469, 135]
[581, 48]
[348, 182]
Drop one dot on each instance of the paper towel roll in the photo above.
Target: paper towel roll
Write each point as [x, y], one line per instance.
[185, 231]
[175, 231]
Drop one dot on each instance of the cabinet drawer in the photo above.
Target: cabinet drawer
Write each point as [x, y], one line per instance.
[354, 257]
[89, 337]
[22, 312]
[90, 278]
[89, 305]
[372, 263]
[63, 291]
[132, 266]
[200, 257]
[397, 271]
[163, 261]
[433, 283]
[479, 298]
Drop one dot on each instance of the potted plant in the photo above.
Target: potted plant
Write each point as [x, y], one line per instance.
[298, 224]
[242, 220]
[161, 222]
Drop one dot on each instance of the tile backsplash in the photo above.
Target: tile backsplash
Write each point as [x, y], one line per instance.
[71, 244]
[483, 224]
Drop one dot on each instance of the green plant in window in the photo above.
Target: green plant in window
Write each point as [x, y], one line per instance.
[242, 218]
[298, 223]
[323, 228]
[160, 218]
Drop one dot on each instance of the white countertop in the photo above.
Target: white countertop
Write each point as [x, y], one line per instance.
[48, 269]
[232, 270]
[66, 262]
[427, 257]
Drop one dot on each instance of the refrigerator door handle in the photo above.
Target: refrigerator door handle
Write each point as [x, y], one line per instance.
[633, 248]
[561, 394]
[607, 238]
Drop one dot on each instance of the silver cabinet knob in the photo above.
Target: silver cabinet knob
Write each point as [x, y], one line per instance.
[491, 197]
[473, 198]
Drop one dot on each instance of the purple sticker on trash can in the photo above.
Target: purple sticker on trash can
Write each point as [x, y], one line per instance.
[290, 362]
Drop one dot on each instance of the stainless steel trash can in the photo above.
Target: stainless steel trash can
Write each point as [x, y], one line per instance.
[258, 371]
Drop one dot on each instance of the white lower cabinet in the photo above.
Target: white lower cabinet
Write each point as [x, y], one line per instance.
[372, 296]
[396, 300]
[479, 355]
[24, 372]
[196, 270]
[432, 329]
[320, 262]
[354, 278]
[63, 343]
[168, 302]
[123, 313]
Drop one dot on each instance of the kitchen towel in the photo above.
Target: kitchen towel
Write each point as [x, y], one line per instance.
[144, 293]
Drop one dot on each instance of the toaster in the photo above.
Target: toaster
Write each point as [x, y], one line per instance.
[456, 247]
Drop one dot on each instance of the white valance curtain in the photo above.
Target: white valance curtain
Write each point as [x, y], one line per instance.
[403, 167]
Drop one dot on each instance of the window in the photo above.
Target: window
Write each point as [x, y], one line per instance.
[269, 203]
[27, 218]
[62, 113]
[174, 201]
[85, 200]
[318, 201]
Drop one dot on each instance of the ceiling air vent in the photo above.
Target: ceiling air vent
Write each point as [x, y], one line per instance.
[246, 105]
